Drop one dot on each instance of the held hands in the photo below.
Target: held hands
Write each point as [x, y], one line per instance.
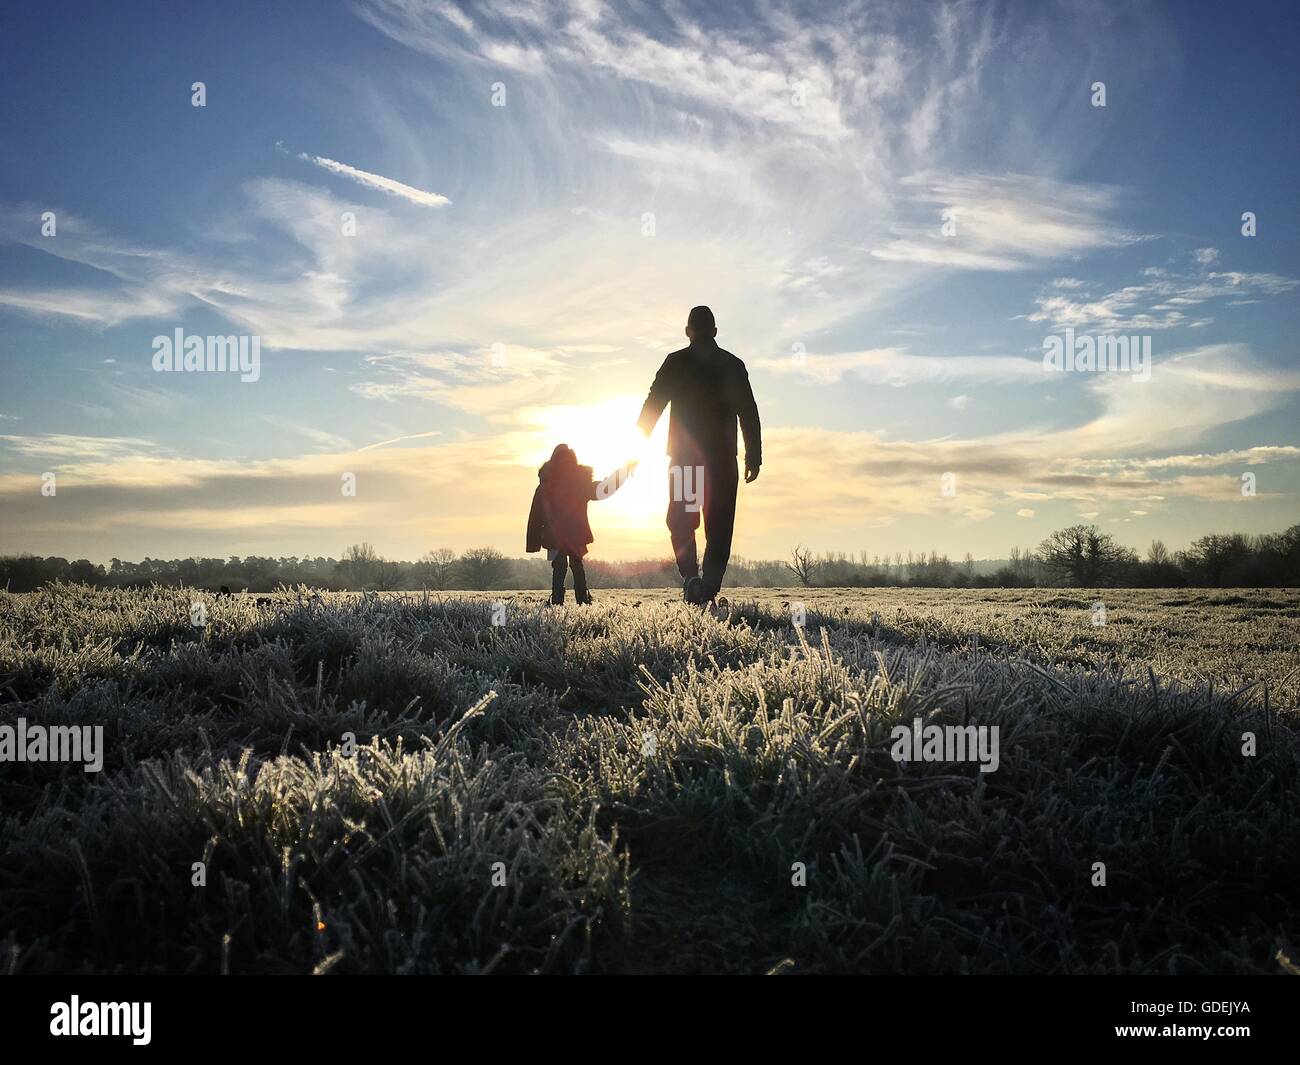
[615, 481]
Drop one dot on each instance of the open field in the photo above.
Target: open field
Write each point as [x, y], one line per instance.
[650, 779]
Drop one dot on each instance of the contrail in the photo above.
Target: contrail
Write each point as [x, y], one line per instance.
[378, 181]
[398, 439]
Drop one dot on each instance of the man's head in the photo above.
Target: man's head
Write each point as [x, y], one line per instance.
[700, 324]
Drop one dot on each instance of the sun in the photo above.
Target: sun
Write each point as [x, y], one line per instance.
[604, 436]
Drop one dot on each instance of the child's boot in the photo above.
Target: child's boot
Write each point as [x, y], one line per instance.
[580, 594]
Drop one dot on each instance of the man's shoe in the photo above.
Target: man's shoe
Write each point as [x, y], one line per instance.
[692, 590]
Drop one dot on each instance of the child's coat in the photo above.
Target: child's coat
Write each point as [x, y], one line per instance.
[558, 518]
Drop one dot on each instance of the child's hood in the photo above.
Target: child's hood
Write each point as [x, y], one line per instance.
[549, 469]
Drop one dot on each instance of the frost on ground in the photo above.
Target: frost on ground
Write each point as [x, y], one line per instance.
[406, 783]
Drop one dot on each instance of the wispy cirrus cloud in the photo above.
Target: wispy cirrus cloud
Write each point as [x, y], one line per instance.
[494, 381]
[1007, 222]
[129, 280]
[792, 140]
[898, 367]
[92, 307]
[1238, 457]
[70, 446]
[322, 438]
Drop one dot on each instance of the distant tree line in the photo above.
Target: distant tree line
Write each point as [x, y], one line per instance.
[1080, 556]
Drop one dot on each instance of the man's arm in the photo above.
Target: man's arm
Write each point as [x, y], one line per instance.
[661, 393]
[750, 429]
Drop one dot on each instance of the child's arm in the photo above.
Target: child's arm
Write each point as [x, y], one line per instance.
[611, 484]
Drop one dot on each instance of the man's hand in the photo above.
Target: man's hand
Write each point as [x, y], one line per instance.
[751, 474]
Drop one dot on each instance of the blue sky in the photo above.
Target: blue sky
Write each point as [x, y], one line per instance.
[517, 272]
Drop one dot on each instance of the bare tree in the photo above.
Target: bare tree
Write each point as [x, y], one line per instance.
[363, 570]
[436, 568]
[1084, 555]
[358, 566]
[803, 564]
[1215, 556]
[387, 576]
[482, 567]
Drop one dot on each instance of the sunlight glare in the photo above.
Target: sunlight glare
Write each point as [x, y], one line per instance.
[604, 435]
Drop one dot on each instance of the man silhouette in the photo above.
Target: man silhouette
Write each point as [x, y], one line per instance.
[709, 391]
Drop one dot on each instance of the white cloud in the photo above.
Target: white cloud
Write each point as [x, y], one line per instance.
[1190, 393]
[64, 446]
[1002, 223]
[897, 367]
[91, 307]
[321, 437]
[1165, 299]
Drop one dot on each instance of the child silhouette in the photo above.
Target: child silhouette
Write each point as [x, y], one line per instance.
[558, 518]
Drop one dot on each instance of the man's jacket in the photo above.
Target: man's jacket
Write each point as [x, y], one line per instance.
[709, 392]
